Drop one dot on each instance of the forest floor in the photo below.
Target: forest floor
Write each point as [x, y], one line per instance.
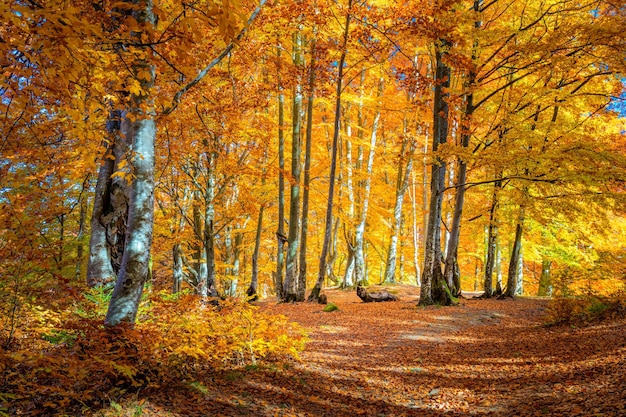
[483, 357]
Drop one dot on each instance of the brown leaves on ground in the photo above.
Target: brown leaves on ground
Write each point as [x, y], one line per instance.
[484, 357]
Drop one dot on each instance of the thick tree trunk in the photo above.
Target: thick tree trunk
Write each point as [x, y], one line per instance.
[516, 253]
[545, 280]
[110, 208]
[434, 289]
[135, 265]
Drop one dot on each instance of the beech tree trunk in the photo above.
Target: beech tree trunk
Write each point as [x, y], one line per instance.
[516, 254]
[291, 288]
[280, 232]
[545, 280]
[333, 160]
[134, 269]
[402, 183]
[434, 289]
[492, 240]
[307, 170]
[254, 282]
[110, 208]
[359, 233]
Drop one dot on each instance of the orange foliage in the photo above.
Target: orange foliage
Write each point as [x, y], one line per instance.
[68, 360]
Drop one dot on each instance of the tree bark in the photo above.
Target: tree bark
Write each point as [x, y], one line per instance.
[434, 289]
[374, 297]
[252, 291]
[545, 280]
[291, 290]
[492, 239]
[280, 232]
[142, 131]
[110, 208]
[333, 160]
[516, 253]
[307, 170]
[402, 183]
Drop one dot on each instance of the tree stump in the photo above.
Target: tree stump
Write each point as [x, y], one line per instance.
[374, 297]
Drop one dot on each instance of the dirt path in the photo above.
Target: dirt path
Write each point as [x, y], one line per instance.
[393, 359]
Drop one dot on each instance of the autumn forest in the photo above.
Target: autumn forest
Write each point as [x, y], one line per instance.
[186, 186]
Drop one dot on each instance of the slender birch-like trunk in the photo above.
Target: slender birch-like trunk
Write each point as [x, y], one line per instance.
[404, 176]
[291, 290]
[280, 232]
[333, 160]
[359, 233]
[492, 237]
[307, 170]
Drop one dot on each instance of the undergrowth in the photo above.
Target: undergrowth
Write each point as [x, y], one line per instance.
[585, 310]
[67, 360]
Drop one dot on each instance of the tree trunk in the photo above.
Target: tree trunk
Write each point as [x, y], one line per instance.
[545, 281]
[110, 207]
[307, 170]
[359, 234]
[142, 131]
[416, 264]
[79, 238]
[498, 266]
[280, 232]
[516, 253]
[291, 290]
[434, 289]
[254, 282]
[402, 183]
[333, 160]
[492, 239]
[177, 269]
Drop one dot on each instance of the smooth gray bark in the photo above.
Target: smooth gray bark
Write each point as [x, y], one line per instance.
[291, 288]
[280, 232]
[359, 234]
[514, 262]
[135, 265]
[433, 284]
[307, 170]
[402, 183]
[492, 237]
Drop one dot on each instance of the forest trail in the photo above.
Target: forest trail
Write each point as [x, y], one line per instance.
[484, 357]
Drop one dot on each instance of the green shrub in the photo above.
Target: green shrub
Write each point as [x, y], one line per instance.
[330, 307]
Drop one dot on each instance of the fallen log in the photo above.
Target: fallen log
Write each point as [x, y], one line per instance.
[374, 297]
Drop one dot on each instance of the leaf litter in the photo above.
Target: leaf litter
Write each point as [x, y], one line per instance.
[483, 357]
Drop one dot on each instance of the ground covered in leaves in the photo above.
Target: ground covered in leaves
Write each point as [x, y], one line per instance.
[484, 357]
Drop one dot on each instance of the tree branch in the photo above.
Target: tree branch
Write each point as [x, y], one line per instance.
[178, 96]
